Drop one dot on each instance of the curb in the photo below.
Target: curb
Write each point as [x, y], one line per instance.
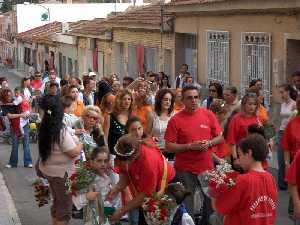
[8, 212]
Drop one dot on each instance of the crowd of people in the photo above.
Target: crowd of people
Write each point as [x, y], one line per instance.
[149, 134]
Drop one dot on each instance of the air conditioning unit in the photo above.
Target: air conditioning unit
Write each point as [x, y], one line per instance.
[65, 28]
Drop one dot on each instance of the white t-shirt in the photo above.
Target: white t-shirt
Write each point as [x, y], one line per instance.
[285, 112]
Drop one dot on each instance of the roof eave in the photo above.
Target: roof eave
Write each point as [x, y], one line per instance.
[236, 6]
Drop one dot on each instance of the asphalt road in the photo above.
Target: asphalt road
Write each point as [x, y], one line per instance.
[19, 182]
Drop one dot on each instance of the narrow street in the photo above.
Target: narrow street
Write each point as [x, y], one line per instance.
[19, 182]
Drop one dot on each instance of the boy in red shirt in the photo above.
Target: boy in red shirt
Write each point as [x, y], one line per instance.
[253, 199]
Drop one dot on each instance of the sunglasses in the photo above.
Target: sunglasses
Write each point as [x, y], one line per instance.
[192, 97]
[92, 117]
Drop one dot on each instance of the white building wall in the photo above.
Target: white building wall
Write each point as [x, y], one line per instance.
[29, 15]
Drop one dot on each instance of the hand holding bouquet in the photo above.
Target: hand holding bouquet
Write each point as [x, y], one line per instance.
[80, 180]
[220, 179]
[158, 210]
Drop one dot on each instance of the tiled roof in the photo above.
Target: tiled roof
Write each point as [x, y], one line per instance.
[87, 27]
[41, 33]
[144, 15]
[192, 2]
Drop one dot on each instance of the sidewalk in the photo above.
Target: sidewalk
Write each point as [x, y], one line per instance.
[8, 212]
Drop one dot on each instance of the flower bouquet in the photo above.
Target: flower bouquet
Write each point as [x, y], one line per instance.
[41, 191]
[158, 210]
[80, 180]
[220, 179]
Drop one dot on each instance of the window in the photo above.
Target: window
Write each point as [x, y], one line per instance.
[218, 56]
[76, 68]
[256, 61]
[27, 58]
[132, 62]
[64, 69]
[150, 59]
[70, 66]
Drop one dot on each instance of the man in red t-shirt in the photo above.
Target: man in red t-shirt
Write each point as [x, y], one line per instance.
[190, 134]
[253, 198]
[293, 180]
[291, 140]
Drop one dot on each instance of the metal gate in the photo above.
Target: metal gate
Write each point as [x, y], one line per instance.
[217, 56]
[256, 61]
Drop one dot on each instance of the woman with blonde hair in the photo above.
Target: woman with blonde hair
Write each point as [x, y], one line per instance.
[115, 122]
[91, 123]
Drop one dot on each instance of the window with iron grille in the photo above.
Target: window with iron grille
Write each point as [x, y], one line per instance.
[256, 61]
[218, 56]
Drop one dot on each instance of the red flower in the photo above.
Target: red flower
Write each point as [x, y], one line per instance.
[152, 202]
[73, 176]
[163, 214]
[77, 161]
[151, 209]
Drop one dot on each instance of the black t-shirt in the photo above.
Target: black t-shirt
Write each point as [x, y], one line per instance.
[5, 109]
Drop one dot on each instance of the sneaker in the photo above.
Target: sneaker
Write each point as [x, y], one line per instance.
[29, 165]
[8, 166]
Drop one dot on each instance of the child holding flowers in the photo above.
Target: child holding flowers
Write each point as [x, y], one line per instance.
[253, 198]
[93, 199]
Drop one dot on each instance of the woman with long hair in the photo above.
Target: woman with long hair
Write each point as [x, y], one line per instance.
[144, 167]
[238, 125]
[262, 112]
[26, 88]
[58, 150]
[178, 104]
[215, 91]
[142, 107]
[164, 81]
[107, 104]
[159, 118]
[114, 124]
[287, 94]
[78, 105]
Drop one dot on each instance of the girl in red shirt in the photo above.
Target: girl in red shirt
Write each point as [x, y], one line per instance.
[238, 125]
[253, 199]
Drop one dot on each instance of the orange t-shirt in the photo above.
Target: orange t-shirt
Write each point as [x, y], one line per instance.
[78, 108]
[142, 113]
[262, 114]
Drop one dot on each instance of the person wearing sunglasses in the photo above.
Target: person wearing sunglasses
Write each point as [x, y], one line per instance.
[191, 134]
[91, 123]
[215, 91]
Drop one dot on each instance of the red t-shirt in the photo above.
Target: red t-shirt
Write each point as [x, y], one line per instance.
[252, 201]
[292, 177]
[36, 84]
[238, 128]
[184, 128]
[146, 172]
[291, 136]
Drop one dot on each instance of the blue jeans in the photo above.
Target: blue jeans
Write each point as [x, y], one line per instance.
[281, 164]
[133, 216]
[13, 161]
